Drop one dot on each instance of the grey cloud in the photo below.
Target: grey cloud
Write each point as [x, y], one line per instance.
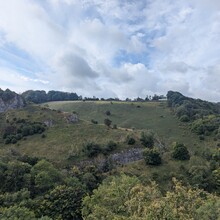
[76, 66]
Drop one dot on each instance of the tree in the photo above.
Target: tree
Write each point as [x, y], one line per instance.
[45, 176]
[127, 199]
[108, 113]
[147, 139]
[16, 212]
[152, 157]
[63, 202]
[107, 122]
[180, 152]
[109, 199]
[17, 176]
[91, 149]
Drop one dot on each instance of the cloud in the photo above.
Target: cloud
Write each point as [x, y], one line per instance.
[119, 48]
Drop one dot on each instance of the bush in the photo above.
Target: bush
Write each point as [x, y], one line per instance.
[111, 145]
[147, 139]
[108, 112]
[130, 140]
[94, 121]
[152, 157]
[201, 137]
[107, 122]
[91, 149]
[180, 152]
[184, 118]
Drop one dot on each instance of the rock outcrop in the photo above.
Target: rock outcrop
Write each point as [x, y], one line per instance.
[10, 100]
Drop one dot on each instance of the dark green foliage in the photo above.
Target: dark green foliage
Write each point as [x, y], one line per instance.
[91, 149]
[41, 96]
[152, 157]
[205, 115]
[63, 202]
[17, 213]
[180, 152]
[107, 122]
[28, 159]
[184, 118]
[90, 181]
[201, 137]
[45, 176]
[147, 139]
[94, 121]
[130, 140]
[108, 113]
[16, 176]
[114, 126]
[110, 146]
[22, 128]
[206, 126]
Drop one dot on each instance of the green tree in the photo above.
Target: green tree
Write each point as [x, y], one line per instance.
[16, 213]
[147, 139]
[63, 202]
[180, 152]
[109, 199]
[45, 176]
[152, 157]
[107, 122]
[17, 176]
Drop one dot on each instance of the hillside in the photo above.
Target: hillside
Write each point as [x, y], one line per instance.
[61, 151]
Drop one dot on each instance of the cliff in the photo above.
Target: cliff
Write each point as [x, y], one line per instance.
[10, 100]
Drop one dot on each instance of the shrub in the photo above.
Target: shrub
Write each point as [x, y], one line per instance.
[108, 112]
[91, 149]
[111, 145]
[180, 152]
[107, 122]
[152, 157]
[147, 139]
[201, 137]
[94, 121]
[130, 140]
[184, 118]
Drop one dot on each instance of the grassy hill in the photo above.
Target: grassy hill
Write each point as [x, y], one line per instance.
[70, 168]
[155, 116]
[64, 141]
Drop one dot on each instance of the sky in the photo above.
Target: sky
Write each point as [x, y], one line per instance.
[111, 48]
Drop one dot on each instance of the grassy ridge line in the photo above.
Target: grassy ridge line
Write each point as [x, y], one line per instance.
[151, 115]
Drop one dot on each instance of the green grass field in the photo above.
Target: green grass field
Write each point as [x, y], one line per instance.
[151, 115]
[63, 143]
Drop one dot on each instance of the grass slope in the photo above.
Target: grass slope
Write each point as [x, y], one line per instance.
[151, 115]
[64, 141]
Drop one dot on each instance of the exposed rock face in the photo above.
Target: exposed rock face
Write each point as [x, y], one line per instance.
[72, 118]
[10, 100]
[48, 123]
[127, 156]
[120, 158]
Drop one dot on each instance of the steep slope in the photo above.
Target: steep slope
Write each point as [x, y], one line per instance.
[10, 100]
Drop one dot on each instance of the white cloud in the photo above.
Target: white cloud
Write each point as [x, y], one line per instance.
[76, 44]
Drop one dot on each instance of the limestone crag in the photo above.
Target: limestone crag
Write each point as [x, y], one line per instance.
[10, 100]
